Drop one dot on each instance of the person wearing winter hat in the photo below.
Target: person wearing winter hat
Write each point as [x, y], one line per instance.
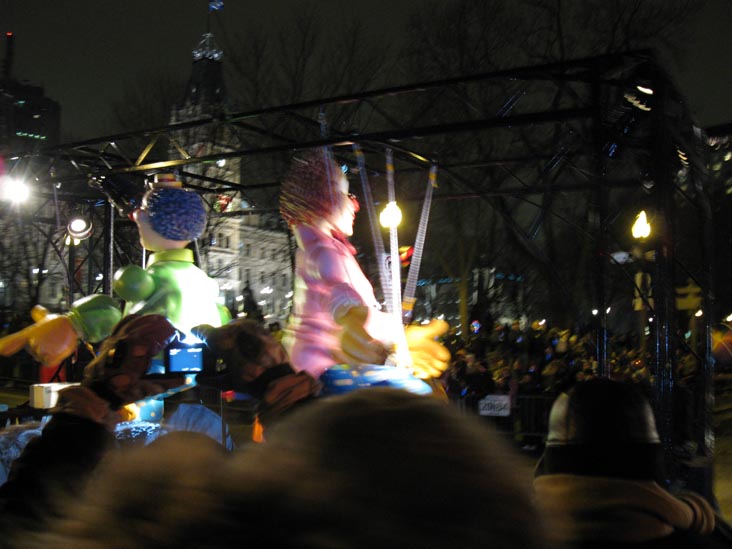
[80, 431]
[600, 480]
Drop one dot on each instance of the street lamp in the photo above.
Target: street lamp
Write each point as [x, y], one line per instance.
[641, 228]
[390, 216]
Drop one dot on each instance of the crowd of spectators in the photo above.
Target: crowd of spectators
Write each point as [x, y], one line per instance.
[423, 473]
[541, 360]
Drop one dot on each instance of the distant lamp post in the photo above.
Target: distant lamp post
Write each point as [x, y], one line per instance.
[641, 228]
[643, 289]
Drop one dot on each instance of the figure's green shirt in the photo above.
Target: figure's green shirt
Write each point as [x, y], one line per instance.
[171, 286]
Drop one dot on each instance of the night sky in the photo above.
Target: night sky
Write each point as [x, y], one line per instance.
[84, 51]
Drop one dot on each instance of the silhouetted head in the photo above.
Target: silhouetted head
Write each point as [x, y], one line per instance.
[603, 428]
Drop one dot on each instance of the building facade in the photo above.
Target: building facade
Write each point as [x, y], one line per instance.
[241, 249]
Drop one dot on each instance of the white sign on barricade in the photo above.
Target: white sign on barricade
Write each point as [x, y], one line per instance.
[495, 405]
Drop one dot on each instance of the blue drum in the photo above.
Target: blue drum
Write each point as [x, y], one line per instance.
[344, 378]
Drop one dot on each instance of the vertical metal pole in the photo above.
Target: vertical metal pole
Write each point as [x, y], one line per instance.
[706, 437]
[108, 261]
[197, 253]
[598, 222]
[90, 277]
[663, 281]
[72, 270]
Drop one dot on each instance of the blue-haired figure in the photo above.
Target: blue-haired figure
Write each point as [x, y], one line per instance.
[168, 219]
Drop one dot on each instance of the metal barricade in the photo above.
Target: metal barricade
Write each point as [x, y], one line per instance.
[527, 420]
[531, 415]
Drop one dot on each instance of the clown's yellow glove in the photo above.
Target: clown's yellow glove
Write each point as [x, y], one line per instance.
[49, 341]
[429, 357]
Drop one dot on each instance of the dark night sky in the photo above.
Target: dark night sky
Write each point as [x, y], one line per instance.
[84, 51]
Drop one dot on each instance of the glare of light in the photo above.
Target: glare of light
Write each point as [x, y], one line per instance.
[728, 318]
[425, 321]
[239, 298]
[100, 276]
[14, 190]
[650, 319]
[441, 317]
[391, 216]
[266, 290]
[262, 303]
[36, 271]
[728, 157]
[191, 339]
[594, 312]
[80, 227]
[221, 162]
[699, 313]
[607, 311]
[288, 295]
[644, 89]
[641, 227]
[542, 322]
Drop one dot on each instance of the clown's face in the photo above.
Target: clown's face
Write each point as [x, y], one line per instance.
[345, 206]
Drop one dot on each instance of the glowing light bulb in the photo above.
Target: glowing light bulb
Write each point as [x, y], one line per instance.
[14, 190]
[391, 216]
[641, 227]
[78, 225]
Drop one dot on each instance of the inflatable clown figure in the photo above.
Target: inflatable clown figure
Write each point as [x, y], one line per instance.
[170, 285]
[168, 219]
[336, 318]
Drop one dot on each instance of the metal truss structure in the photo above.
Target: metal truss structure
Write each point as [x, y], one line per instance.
[609, 131]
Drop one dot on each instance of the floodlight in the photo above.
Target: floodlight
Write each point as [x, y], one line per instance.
[80, 227]
[14, 189]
